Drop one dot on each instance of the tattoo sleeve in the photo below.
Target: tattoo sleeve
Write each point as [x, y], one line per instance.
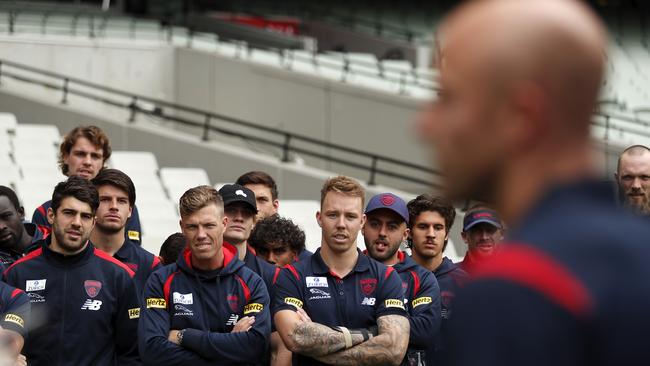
[314, 339]
[388, 348]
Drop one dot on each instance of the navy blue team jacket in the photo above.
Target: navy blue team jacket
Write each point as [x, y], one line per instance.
[37, 232]
[133, 231]
[451, 278]
[570, 288]
[139, 261]
[422, 300]
[207, 305]
[370, 291]
[263, 268]
[14, 309]
[84, 308]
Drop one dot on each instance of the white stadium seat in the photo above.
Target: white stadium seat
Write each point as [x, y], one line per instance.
[8, 121]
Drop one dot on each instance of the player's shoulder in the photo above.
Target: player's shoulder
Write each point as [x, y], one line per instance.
[24, 264]
[108, 262]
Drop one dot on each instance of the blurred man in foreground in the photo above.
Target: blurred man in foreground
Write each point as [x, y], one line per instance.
[570, 287]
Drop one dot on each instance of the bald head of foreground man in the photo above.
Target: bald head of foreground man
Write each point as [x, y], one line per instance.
[519, 80]
[511, 126]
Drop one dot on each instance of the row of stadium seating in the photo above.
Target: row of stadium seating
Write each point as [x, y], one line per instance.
[363, 69]
[28, 160]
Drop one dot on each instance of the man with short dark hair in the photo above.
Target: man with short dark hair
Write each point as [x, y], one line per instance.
[633, 178]
[266, 192]
[385, 230]
[85, 305]
[116, 202]
[84, 152]
[482, 232]
[171, 248]
[430, 221]
[207, 308]
[16, 236]
[279, 241]
[341, 307]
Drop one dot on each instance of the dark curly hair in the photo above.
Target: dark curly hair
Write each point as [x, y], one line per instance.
[276, 229]
[427, 202]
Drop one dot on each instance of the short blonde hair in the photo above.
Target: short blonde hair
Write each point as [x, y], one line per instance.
[196, 198]
[344, 185]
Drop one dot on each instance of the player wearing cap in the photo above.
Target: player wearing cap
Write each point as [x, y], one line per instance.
[16, 236]
[83, 152]
[430, 220]
[208, 308]
[116, 202]
[84, 303]
[385, 230]
[240, 208]
[325, 308]
[482, 232]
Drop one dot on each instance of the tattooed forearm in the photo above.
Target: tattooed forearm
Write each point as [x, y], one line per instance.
[314, 339]
[388, 348]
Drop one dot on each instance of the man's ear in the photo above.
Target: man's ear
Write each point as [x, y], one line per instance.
[50, 216]
[21, 213]
[462, 235]
[318, 219]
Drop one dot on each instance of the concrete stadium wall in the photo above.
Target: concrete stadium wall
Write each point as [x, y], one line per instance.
[327, 110]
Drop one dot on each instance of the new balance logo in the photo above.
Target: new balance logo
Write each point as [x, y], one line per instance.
[233, 319]
[369, 301]
[91, 305]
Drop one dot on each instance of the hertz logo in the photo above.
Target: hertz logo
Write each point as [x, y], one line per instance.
[156, 303]
[134, 313]
[421, 301]
[293, 301]
[253, 308]
[394, 303]
[15, 319]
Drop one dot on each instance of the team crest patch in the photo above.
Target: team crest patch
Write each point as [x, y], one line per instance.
[233, 302]
[92, 287]
[368, 286]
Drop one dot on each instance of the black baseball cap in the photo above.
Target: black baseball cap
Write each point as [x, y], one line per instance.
[232, 193]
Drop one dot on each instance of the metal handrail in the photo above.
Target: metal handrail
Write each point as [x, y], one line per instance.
[67, 84]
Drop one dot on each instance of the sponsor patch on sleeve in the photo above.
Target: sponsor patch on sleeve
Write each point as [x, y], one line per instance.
[133, 235]
[253, 308]
[13, 318]
[134, 313]
[394, 303]
[156, 303]
[421, 301]
[293, 301]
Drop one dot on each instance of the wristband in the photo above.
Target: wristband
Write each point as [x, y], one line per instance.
[347, 336]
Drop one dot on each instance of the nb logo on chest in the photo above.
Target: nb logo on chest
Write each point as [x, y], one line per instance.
[91, 305]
